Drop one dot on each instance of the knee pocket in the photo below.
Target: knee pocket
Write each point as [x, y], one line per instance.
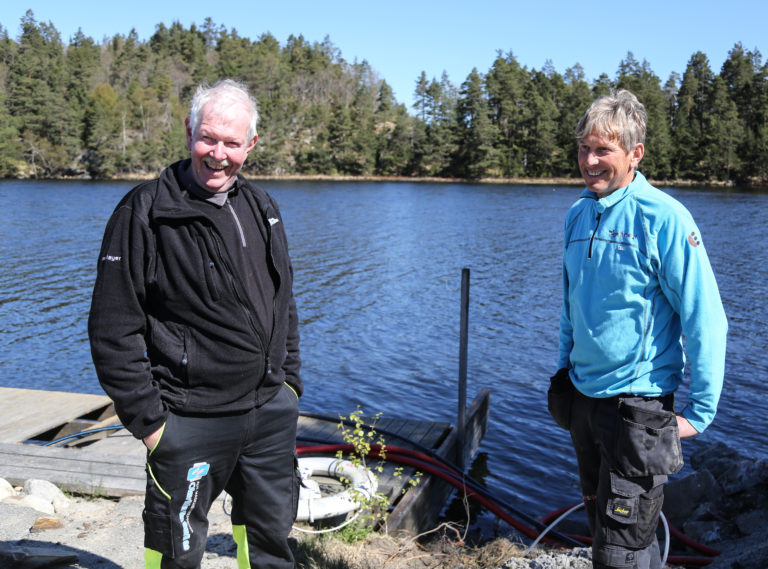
[632, 510]
[608, 557]
[158, 533]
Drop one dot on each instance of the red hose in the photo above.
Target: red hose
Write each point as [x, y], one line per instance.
[430, 465]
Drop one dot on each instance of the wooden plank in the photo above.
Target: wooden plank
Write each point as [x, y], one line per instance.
[395, 431]
[30, 412]
[120, 443]
[419, 508]
[114, 465]
[73, 470]
[319, 429]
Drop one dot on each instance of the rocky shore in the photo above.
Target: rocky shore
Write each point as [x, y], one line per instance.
[722, 505]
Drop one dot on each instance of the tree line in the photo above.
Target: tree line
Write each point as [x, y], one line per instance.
[116, 108]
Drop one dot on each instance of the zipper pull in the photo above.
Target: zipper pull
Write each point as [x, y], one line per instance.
[592, 239]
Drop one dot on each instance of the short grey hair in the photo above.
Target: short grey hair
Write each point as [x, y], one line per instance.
[224, 92]
[618, 116]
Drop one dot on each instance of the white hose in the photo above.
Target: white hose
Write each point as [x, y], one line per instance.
[580, 506]
[328, 530]
[550, 526]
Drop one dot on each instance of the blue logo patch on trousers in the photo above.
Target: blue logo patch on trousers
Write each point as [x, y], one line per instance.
[198, 470]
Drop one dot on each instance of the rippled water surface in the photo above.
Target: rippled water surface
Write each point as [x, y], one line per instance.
[378, 278]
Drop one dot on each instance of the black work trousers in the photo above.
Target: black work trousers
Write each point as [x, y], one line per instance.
[250, 455]
[625, 448]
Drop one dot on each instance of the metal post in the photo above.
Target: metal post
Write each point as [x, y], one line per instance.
[461, 423]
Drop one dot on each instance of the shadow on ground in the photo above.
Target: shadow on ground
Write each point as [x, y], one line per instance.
[30, 554]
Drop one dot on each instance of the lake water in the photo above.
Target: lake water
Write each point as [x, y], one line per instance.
[378, 280]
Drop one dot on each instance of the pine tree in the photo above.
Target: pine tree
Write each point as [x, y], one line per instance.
[506, 85]
[476, 156]
[747, 81]
[36, 98]
[690, 115]
[722, 131]
[540, 127]
[575, 101]
[646, 86]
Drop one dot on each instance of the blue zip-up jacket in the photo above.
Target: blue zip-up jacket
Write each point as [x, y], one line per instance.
[636, 278]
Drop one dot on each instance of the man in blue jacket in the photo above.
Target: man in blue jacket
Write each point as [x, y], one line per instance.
[194, 336]
[636, 282]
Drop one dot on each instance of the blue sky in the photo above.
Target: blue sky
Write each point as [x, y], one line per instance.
[400, 39]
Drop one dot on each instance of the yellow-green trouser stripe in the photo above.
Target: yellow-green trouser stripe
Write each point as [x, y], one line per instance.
[157, 442]
[241, 539]
[288, 385]
[152, 559]
[152, 474]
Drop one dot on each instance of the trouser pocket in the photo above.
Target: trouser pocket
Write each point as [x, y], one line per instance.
[647, 440]
[632, 509]
[560, 398]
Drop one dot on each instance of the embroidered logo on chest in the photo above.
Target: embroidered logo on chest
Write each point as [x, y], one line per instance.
[614, 233]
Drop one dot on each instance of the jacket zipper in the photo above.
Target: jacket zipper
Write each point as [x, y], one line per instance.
[268, 226]
[249, 315]
[591, 239]
[237, 223]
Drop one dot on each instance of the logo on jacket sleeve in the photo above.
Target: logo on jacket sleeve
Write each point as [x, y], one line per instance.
[273, 220]
[694, 239]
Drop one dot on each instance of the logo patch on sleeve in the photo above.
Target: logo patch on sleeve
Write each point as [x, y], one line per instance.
[694, 239]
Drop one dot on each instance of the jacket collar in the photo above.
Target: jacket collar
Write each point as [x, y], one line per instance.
[174, 198]
[616, 196]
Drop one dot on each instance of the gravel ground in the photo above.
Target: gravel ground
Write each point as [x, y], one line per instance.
[102, 534]
[107, 534]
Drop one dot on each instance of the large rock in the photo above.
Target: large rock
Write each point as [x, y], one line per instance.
[733, 471]
[6, 489]
[46, 491]
[724, 504]
[683, 496]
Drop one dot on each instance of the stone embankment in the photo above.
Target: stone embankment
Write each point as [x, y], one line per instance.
[722, 505]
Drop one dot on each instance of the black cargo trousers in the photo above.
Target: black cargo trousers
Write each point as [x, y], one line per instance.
[626, 447]
[250, 455]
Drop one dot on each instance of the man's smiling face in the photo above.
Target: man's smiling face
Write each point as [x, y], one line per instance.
[605, 165]
[220, 145]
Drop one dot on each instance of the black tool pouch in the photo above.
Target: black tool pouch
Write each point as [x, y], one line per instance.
[647, 439]
[560, 397]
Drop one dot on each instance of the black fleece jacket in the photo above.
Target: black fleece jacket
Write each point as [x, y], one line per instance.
[171, 325]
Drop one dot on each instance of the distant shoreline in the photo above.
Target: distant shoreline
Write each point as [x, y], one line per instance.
[414, 180]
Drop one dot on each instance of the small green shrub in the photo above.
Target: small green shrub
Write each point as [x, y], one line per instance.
[362, 438]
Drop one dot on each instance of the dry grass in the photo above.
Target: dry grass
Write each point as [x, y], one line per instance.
[443, 548]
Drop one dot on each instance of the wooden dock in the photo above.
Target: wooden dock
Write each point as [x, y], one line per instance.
[111, 463]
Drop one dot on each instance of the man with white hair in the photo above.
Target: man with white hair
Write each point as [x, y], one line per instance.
[194, 336]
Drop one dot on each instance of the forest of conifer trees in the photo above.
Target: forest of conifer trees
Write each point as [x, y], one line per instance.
[116, 108]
